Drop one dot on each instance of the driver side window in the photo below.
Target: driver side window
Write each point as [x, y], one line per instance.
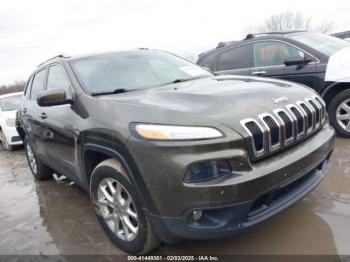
[274, 53]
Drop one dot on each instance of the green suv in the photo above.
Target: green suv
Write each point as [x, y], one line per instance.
[169, 151]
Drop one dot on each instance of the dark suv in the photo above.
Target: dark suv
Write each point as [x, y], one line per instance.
[167, 150]
[315, 60]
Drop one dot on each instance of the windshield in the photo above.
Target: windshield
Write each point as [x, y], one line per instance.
[134, 70]
[10, 103]
[325, 44]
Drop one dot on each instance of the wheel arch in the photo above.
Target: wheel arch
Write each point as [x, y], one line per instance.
[94, 152]
[332, 90]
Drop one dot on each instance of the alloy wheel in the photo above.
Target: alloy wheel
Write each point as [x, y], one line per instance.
[31, 158]
[343, 115]
[117, 208]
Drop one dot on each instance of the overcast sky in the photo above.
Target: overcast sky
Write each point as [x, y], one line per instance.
[35, 30]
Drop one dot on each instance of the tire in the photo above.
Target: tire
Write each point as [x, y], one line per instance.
[339, 113]
[4, 142]
[138, 238]
[37, 168]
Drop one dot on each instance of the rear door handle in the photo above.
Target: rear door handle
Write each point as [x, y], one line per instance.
[258, 73]
[43, 115]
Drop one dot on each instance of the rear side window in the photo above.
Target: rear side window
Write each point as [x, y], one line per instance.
[57, 79]
[235, 58]
[210, 62]
[38, 84]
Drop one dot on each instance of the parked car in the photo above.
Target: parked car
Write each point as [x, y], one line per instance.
[315, 60]
[9, 104]
[167, 150]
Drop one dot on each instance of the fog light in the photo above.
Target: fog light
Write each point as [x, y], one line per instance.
[197, 215]
[207, 171]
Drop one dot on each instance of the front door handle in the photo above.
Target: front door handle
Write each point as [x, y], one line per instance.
[43, 115]
[258, 73]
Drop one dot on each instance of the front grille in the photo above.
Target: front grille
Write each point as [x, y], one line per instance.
[317, 110]
[308, 114]
[322, 106]
[288, 125]
[257, 134]
[274, 130]
[300, 120]
[284, 126]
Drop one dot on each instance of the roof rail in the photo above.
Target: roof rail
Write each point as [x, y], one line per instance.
[57, 56]
[250, 36]
[221, 44]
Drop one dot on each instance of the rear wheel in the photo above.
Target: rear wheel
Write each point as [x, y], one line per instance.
[118, 209]
[38, 169]
[339, 113]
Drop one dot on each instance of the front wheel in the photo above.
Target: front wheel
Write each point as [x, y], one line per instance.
[339, 113]
[37, 168]
[118, 209]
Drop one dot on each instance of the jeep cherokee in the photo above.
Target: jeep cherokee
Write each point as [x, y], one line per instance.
[167, 150]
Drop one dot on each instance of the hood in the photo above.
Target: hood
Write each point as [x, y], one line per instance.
[225, 99]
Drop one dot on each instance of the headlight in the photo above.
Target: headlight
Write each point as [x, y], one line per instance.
[10, 122]
[165, 132]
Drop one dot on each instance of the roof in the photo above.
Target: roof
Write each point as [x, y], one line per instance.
[222, 45]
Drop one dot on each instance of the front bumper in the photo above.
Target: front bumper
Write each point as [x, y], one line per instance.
[258, 191]
[229, 220]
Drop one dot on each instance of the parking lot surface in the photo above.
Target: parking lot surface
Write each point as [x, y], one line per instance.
[53, 217]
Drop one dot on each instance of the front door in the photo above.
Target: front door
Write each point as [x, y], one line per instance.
[269, 60]
[60, 121]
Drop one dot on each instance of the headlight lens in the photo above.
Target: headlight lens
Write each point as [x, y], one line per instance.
[207, 171]
[165, 132]
[10, 122]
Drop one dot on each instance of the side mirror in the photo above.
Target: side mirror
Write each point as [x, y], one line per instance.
[297, 61]
[53, 97]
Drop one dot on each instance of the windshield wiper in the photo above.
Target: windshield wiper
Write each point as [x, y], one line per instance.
[115, 91]
[180, 80]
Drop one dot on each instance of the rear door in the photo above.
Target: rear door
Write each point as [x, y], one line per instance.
[234, 61]
[268, 60]
[32, 120]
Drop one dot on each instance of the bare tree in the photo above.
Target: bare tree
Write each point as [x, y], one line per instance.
[289, 21]
[18, 86]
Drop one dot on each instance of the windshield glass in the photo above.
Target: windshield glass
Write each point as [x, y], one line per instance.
[134, 70]
[325, 44]
[10, 103]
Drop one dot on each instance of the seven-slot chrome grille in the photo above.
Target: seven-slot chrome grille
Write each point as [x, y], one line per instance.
[270, 132]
